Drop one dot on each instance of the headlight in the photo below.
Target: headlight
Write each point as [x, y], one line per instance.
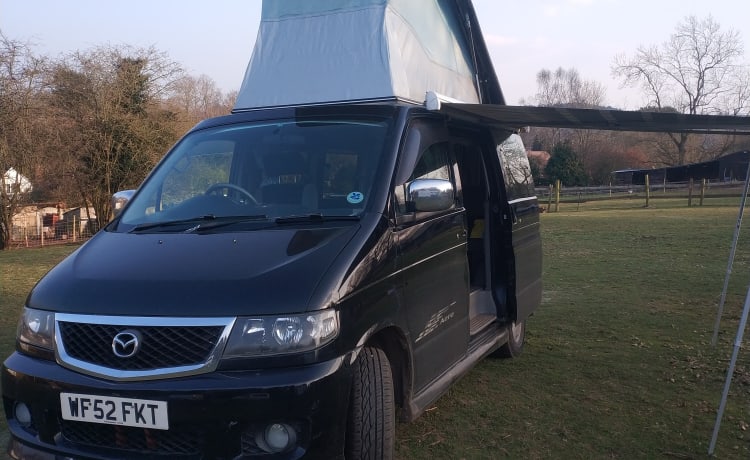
[274, 335]
[37, 328]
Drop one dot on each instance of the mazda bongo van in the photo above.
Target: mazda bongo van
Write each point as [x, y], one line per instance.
[278, 286]
[291, 277]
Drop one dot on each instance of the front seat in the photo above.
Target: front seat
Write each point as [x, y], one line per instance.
[287, 181]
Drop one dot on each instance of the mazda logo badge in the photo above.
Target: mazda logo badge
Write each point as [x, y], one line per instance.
[126, 344]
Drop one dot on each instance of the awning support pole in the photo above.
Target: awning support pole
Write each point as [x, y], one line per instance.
[730, 373]
[731, 257]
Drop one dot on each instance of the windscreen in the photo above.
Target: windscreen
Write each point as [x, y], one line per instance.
[263, 170]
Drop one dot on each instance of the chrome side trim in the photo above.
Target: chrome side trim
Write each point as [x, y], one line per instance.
[520, 200]
[117, 375]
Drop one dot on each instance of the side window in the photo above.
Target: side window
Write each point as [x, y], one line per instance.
[432, 164]
[515, 163]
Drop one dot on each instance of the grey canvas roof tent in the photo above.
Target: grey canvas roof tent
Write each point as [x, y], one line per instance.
[332, 51]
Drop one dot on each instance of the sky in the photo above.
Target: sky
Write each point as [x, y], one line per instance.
[216, 37]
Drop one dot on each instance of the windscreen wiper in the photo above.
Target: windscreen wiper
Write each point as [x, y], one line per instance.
[225, 221]
[200, 222]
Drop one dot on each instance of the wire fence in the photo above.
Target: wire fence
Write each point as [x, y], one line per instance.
[74, 230]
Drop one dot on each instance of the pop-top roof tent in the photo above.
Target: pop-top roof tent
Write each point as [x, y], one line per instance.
[367, 50]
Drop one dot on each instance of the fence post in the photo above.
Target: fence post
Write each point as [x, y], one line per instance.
[74, 228]
[703, 190]
[41, 236]
[557, 195]
[549, 201]
[648, 191]
[690, 192]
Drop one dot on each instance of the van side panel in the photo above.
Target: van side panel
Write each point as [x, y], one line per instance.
[525, 290]
[432, 259]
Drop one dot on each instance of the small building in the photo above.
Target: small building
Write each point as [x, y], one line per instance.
[36, 220]
[540, 156]
[77, 223]
[731, 167]
[13, 182]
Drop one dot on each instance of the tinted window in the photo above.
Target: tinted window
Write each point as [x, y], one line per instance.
[272, 169]
[516, 169]
[193, 175]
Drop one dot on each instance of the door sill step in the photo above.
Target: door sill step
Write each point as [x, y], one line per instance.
[479, 322]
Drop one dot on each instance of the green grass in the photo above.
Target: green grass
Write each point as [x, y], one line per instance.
[618, 362]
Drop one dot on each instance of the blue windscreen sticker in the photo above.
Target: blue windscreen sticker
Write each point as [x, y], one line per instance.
[355, 197]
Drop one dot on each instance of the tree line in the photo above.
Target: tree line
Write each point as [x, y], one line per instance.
[91, 123]
[88, 124]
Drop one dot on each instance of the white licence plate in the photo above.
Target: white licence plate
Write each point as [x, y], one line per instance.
[142, 413]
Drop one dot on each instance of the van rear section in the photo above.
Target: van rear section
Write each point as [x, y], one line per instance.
[279, 285]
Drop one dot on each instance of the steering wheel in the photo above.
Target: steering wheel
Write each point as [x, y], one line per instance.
[239, 191]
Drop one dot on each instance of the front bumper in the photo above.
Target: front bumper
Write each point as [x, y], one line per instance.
[216, 415]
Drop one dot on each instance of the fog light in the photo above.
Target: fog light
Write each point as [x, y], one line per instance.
[279, 437]
[23, 414]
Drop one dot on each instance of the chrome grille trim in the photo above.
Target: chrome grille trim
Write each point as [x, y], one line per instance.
[84, 367]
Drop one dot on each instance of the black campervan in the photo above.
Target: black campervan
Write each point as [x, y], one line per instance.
[285, 278]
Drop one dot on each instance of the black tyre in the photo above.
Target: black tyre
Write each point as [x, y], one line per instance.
[371, 428]
[516, 338]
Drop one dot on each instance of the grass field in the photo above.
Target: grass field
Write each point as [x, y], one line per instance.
[618, 362]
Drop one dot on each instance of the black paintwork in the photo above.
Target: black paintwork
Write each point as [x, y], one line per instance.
[215, 274]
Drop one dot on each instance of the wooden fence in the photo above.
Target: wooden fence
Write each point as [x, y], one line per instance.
[693, 192]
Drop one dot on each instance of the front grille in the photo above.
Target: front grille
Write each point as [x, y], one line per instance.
[161, 347]
[136, 440]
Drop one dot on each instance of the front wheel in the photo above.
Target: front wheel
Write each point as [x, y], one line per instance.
[370, 431]
[516, 338]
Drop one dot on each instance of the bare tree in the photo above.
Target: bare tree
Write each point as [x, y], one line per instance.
[737, 99]
[21, 80]
[229, 100]
[197, 98]
[566, 88]
[696, 72]
[112, 100]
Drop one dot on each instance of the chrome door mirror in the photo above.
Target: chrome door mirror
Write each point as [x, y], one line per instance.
[120, 199]
[431, 195]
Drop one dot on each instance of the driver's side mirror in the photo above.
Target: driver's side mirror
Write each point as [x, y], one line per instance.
[120, 199]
